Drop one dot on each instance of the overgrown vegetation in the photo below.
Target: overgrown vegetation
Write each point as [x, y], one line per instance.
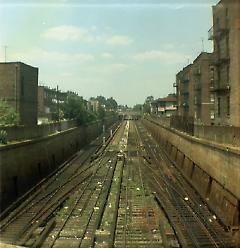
[8, 115]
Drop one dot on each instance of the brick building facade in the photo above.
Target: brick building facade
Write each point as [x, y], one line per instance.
[18, 87]
[184, 84]
[225, 34]
[202, 84]
[194, 90]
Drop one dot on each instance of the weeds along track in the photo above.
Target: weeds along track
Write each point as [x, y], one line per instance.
[137, 222]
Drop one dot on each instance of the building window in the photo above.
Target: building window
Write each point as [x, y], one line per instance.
[226, 12]
[228, 105]
[22, 86]
[212, 115]
[219, 107]
[212, 97]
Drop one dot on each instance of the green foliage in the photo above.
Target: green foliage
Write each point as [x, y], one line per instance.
[109, 104]
[146, 108]
[101, 113]
[3, 137]
[74, 108]
[8, 115]
[138, 108]
[147, 104]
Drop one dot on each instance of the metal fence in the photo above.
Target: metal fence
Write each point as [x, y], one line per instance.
[182, 123]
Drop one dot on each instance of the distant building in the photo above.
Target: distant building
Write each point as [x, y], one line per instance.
[202, 89]
[225, 34]
[49, 101]
[93, 105]
[195, 97]
[185, 96]
[18, 87]
[166, 106]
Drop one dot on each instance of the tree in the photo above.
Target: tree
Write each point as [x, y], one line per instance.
[101, 113]
[111, 104]
[147, 104]
[74, 108]
[102, 100]
[138, 107]
[8, 115]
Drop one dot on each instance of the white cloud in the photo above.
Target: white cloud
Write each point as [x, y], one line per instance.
[68, 33]
[107, 56]
[117, 40]
[169, 57]
[118, 67]
[75, 33]
[41, 55]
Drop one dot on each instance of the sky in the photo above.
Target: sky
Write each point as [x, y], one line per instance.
[125, 49]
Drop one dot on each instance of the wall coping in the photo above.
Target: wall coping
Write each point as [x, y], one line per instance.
[33, 141]
[211, 144]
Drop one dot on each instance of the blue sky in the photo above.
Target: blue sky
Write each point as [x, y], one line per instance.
[125, 49]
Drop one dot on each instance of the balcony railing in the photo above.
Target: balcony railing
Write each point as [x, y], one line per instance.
[185, 80]
[217, 31]
[224, 59]
[220, 88]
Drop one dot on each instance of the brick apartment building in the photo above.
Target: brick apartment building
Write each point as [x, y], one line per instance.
[18, 87]
[202, 89]
[194, 86]
[225, 34]
[184, 85]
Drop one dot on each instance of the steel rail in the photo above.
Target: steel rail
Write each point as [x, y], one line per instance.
[75, 205]
[138, 144]
[208, 228]
[195, 202]
[107, 176]
[49, 196]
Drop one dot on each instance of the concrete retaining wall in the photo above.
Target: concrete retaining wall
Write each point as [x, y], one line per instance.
[220, 134]
[25, 133]
[214, 170]
[24, 164]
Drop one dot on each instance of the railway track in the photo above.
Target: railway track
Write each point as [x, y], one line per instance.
[193, 222]
[32, 216]
[123, 194]
[137, 223]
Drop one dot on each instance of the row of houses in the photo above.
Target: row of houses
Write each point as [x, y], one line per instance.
[208, 90]
[19, 88]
